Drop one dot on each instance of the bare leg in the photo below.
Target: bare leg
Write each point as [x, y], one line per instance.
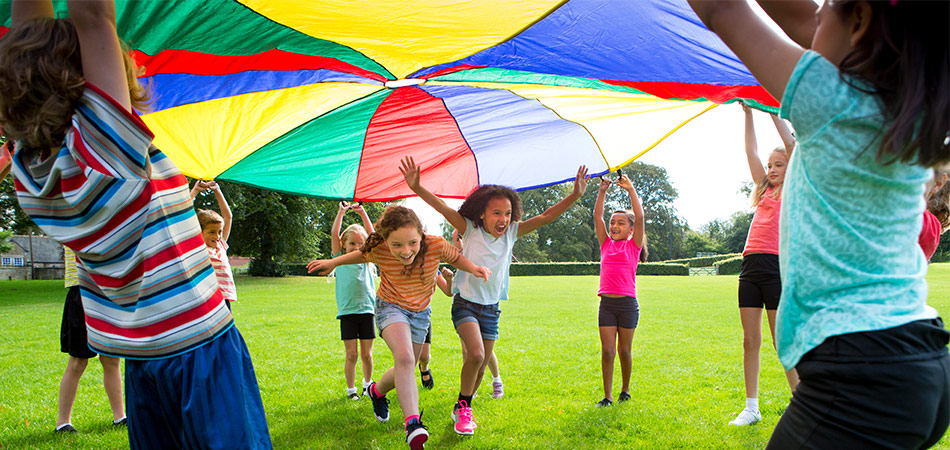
[402, 375]
[489, 346]
[791, 375]
[624, 344]
[349, 367]
[112, 380]
[493, 365]
[366, 357]
[608, 350]
[424, 357]
[474, 356]
[68, 387]
[751, 342]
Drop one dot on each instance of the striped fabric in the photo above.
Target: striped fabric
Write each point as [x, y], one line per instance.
[412, 292]
[222, 270]
[70, 277]
[148, 287]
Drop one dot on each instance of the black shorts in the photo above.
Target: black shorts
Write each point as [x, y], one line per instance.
[429, 335]
[72, 333]
[623, 312]
[759, 281]
[357, 326]
[876, 389]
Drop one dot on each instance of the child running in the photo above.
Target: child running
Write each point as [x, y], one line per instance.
[87, 174]
[620, 247]
[408, 262]
[866, 87]
[489, 221]
[760, 284]
[355, 298]
[215, 229]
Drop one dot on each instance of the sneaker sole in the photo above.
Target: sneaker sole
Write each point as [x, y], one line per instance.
[417, 439]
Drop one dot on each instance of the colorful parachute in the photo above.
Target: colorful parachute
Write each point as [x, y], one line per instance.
[323, 98]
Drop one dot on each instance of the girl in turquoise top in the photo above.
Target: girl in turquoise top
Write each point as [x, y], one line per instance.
[355, 298]
[870, 104]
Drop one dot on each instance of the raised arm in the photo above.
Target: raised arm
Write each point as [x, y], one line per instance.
[411, 172]
[752, 148]
[766, 53]
[102, 63]
[197, 188]
[639, 230]
[444, 280]
[335, 244]
[548, 216]
[24, 10]
[325, 266]
[600, 227]
[795, 17]
[223, 206]
[787, 139]
[367, 224]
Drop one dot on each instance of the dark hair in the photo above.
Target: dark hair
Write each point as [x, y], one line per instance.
[474, 205]
[395, 217]
[903, 59]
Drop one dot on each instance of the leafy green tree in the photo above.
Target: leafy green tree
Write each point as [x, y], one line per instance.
[700, 243]
[5, 244]
[12, 218]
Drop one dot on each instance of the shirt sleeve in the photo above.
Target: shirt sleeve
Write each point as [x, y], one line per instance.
[448, 252]
[108, 138]
[815, 95]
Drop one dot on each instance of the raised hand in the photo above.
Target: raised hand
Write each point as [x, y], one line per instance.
[604, 184]
[356, 207]
[624, 182]
[343, 207]
[580, 181]
[410, 171]
[447, 273]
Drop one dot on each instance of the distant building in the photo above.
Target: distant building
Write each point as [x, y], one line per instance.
[32, 258]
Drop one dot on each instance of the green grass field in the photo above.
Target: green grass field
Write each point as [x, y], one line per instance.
[687, 377]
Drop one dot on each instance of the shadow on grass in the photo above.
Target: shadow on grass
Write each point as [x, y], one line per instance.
[89, 435]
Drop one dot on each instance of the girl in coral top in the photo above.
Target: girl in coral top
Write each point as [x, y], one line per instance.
[759, 282]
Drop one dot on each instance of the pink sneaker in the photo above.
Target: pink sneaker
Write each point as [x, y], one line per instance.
[462, 416]
[497, 389]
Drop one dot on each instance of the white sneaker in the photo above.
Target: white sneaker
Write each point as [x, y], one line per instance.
[746, 417]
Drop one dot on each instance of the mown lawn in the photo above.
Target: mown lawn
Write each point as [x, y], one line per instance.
[687, 379]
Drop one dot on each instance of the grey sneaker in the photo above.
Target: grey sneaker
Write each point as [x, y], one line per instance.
[497, 389]
[746, 417]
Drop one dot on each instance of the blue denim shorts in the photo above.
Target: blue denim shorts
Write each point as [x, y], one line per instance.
[486, 316]
[388, 314]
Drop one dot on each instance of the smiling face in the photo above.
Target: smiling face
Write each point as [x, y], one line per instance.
[620, 228]
[497, 215]
[778, 162]
[404, 243]
[353, 242]
[212, 233]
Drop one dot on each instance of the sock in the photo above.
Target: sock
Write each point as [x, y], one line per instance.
[496, 379]
[367, 383]
[466, 398]
[752, 404]
[375, 392]
[116, 422]
[411, 418]
[63, 425]
[351, 390]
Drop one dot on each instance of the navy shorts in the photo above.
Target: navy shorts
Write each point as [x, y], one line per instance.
[486, 316]
[357, 326]
[760, 284]
[72, 332]
[876, 389]
[622, 312]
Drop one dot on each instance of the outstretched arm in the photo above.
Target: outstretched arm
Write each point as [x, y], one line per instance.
[766, 53]
[639, 230]
[752, 148]
[223, 206]
[367, 224]
[787, 139]
[325, 266]
[463, 263]
[335, 244]
[599, 226]
[548, 216]
[102, 63]
[411, 172]
[24, 10]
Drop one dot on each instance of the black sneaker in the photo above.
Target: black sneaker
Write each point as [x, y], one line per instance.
[624, 396]
[68, 428]
[380, 405]
[416, 434]
[430, 383]
[604, 402]
[123, 422]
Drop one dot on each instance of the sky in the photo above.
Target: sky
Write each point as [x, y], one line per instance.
[705, 160]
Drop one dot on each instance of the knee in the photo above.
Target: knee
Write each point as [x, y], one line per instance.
[351, 356]
[367, 357]
[476, 356]
[626, 354]
[608, 354]
[751, 342]
[76, 366]
[109, 363]
[404, 361]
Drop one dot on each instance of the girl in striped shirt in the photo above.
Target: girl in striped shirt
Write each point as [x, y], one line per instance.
[408, 262]
[215, 229]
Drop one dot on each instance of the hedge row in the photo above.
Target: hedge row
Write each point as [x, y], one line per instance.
[729, 266]
[702, 261]
[591, 268]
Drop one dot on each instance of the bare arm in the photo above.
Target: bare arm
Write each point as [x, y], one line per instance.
[766, 54]
[795, 17]
[548, 216]
[24, 10]
[335, 244]
[102, 61]
[639, 230]
[752, 147]
[224, 207]
[463, 263]
[787, 139]
[197, 188]
[367, 224]
[444, 280]
[324, 266]
[599, 226]
[411, 172]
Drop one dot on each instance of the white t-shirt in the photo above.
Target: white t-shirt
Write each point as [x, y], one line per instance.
[484, 249]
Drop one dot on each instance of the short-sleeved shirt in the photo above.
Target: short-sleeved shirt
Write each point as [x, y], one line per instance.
[412, 291]
[763, 232]
[849, 224]
[148, 288]
[929, 237]
[618, 267]
[70, 277]
[484, 249]
[222, 270]
[355, 289]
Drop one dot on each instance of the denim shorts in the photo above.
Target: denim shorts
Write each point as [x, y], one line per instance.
[486, 316]
[388, 314]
